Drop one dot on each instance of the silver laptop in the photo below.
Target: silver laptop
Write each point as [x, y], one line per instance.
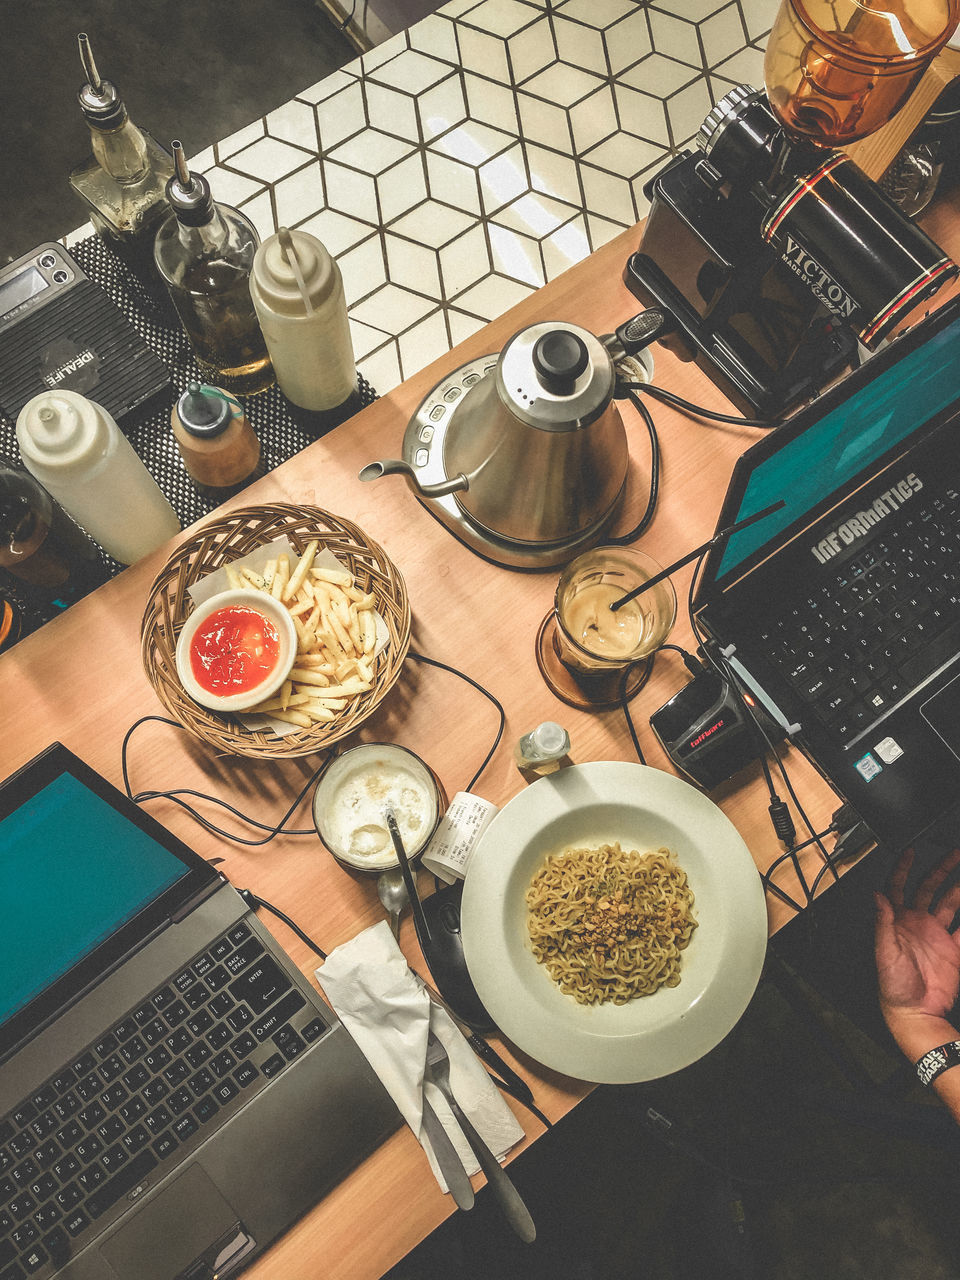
[173, 1094]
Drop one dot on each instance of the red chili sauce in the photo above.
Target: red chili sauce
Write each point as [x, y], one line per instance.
[233, 651]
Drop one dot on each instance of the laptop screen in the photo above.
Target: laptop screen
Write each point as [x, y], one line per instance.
[77, 870]
[85, 877]
[806, 462]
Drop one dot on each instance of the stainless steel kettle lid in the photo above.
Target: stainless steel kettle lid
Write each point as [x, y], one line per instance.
[555, 376]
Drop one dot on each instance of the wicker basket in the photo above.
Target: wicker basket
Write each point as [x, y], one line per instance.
[228, 538]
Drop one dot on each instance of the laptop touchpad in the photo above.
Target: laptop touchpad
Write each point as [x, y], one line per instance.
[942, 713]
[177, 1227]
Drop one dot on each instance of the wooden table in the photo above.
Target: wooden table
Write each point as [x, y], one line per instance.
[79, 680]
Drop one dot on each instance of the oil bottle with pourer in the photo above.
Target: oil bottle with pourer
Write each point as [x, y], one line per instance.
[204, 251]
[123, 182]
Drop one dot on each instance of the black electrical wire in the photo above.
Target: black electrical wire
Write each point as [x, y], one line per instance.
[625, 701]
[696, 667]
[815, 837]
[821, 835]
[434, 662]
[175, 796]
[692, 663]
[783, 824]
[273, 830]
[624, 539]
[830, 865]
[255, 902]
[828, 859]
[342, 26]
[780, 817]
[699, 411]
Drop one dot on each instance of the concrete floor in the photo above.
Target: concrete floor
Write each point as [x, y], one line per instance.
[759, 1163]
[799, 1149]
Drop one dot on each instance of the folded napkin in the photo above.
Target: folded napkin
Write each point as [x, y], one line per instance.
[386, 1008]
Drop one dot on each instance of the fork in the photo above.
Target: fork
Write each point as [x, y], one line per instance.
[515, 1211]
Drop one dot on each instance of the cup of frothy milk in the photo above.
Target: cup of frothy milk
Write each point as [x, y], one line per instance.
[352, 794]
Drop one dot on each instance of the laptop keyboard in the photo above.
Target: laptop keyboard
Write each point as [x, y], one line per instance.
[887, 619]
[145, 1093]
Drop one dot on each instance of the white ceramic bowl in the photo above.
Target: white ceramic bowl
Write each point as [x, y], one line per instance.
[269, 608]
[350, 797]
[643, 808]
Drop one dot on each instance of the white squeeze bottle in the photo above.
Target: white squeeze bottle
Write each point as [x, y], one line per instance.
[78, 453]
[298, 295]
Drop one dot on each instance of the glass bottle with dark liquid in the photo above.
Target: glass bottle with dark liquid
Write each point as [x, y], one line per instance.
[837, 70]
[123, 182]
[204, 251]
[41, 546]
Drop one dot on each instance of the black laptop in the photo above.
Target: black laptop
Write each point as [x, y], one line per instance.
[841, 610]
[173, 1093]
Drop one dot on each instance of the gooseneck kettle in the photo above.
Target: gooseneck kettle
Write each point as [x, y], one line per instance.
[536, 453]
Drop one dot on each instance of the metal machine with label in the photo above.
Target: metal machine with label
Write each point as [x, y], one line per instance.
[60, 330]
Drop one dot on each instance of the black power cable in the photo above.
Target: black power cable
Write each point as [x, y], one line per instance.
[624, 700]
[624, 539]
[345, 22]
[177, 795]
[696, 667]
[779, 814]
[677, 402]
[434, 662]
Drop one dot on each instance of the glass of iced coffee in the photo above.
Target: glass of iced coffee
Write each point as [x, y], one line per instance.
[590, 653]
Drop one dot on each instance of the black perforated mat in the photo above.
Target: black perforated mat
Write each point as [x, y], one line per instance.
[282, 428]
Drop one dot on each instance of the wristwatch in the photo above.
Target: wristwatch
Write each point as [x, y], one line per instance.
[938, 1060]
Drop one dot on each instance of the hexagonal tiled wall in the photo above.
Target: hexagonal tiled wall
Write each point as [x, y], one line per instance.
[461, 165]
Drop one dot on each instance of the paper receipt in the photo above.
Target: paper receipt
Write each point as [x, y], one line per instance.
[449, 852]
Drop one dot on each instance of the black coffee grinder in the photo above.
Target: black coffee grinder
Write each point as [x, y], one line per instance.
[772, 257]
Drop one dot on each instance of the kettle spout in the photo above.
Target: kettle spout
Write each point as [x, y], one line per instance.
[395, 467]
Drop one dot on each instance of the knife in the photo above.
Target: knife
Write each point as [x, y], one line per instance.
[514, 1210]
[451, 1166]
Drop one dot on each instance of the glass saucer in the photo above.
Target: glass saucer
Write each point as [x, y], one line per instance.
[587, 692]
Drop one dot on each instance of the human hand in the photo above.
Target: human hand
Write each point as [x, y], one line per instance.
[918, 958]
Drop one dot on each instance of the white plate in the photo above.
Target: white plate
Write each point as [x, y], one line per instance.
[643, 808]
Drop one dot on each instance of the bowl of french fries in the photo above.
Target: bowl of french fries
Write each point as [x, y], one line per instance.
[347, 602]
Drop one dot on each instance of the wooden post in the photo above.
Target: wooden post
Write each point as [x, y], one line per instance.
[876, 153]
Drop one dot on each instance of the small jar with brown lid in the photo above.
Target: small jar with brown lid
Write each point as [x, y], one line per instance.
[219, 447]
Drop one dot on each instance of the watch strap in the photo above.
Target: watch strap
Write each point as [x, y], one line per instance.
[938, 1060]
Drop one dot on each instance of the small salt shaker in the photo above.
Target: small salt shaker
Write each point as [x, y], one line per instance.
[543, 749]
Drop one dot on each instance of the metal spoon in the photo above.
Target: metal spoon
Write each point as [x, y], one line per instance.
[392, 893]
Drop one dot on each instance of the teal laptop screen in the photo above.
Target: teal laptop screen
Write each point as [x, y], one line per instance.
[72, 871]
[846, 441]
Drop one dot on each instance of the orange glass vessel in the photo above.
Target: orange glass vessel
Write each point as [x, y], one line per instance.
[837, 70]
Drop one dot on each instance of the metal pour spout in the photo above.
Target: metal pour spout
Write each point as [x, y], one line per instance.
[89, 66]
[395, 467]
[99, 100]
